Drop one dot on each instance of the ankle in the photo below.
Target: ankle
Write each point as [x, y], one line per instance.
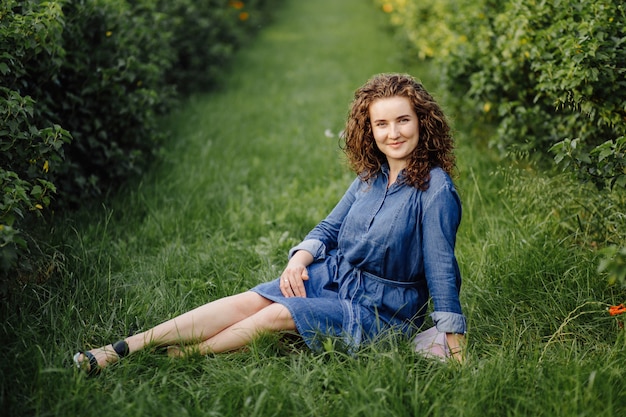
[121, 348]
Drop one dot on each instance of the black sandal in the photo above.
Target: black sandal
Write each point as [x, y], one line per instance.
[120, 347]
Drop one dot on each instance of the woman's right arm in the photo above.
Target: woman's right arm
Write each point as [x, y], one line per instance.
[316, 244]
[324, 237]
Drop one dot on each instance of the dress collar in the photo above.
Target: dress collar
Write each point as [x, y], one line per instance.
[384, 169]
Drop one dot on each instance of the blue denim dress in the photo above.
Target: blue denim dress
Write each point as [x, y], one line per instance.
[379, 256]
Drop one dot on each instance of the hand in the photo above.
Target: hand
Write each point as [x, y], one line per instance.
[293, 277]
[456, 344]
[292, 280]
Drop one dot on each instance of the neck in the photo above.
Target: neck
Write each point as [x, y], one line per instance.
[393, 176]
[394, 171]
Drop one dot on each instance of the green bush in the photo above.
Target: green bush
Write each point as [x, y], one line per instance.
[31, 147]
[83, 85]
[109, 91]
[545, 72]
[613, 264]
[205, 35]
[604, 165]
[548, 71]
[542, 71]
[431, 27]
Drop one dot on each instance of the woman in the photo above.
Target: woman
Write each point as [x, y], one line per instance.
[371, 265]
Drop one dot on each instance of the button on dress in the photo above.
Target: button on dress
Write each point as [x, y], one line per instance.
[379, 256]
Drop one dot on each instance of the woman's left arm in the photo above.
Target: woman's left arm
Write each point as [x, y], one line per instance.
[441, 217]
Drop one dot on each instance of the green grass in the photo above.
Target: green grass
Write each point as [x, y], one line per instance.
[247, 172]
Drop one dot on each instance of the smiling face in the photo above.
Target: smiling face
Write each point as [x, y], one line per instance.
[395, 128]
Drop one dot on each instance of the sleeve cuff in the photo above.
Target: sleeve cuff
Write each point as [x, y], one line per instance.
[313, 246]
[449, 322]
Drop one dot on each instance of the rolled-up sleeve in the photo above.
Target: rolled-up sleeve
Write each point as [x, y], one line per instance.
[314, 246]
[440, 222]
[449, 322]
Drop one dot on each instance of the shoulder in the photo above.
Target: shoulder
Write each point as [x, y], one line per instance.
[440, 188]
[439, 180]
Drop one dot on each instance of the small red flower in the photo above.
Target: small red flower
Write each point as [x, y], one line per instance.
[616, 310]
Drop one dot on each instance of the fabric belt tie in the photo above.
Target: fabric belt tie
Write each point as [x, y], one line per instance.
[390, 282]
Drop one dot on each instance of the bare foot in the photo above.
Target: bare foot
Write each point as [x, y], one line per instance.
[104, 356]
[175, 351]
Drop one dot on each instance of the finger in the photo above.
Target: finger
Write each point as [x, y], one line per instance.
[285, 287]
[300, 290]
[297, 285]
[296, 288]
[303, 292]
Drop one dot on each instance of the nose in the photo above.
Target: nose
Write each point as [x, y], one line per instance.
[394, 131]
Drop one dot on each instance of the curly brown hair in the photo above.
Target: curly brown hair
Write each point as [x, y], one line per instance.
[435, 146]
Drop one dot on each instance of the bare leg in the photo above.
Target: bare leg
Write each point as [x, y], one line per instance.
[274, 317]
[192, 327]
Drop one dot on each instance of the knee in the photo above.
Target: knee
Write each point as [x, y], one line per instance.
[247, 303]
[276, 317]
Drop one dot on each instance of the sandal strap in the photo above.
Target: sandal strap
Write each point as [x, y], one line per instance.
[94, 368]
[121, 348]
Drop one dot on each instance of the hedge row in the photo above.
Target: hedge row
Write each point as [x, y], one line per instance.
[550, 74]
[547, 73]
[82, 83]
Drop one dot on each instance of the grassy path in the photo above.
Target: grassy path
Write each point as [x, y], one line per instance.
[249, 170]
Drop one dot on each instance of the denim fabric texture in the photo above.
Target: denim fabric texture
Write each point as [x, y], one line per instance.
[379, 256]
